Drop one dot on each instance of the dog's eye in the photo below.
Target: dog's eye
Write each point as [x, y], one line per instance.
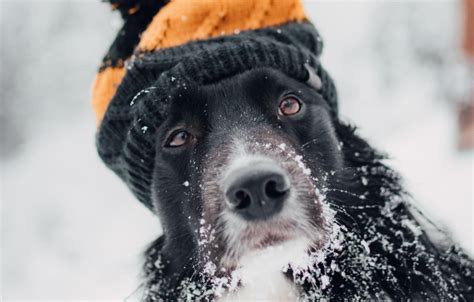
[289, 106]
[178, 139]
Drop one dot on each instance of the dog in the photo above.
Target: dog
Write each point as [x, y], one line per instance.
[263, 194]
[220, 118]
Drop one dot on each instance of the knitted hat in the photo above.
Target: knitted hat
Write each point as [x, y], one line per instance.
[164, 45]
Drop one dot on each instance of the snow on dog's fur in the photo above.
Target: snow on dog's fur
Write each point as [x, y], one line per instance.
[346, 231]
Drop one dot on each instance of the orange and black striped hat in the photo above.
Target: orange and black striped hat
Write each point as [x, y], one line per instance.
[164, 44]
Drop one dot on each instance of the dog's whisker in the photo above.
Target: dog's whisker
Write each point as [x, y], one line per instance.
[314, 140]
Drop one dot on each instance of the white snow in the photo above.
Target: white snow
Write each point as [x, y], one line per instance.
[70, 228]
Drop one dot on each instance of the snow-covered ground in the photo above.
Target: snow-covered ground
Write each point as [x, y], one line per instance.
[71, 230]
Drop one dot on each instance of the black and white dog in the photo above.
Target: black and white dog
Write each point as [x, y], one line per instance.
[263, 194]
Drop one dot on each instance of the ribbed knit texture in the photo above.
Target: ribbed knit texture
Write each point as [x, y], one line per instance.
[125, 138]
[152, 25]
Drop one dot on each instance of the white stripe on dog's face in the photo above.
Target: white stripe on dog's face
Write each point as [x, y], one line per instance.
[237, 227]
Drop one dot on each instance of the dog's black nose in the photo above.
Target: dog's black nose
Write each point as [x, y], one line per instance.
[257, 191]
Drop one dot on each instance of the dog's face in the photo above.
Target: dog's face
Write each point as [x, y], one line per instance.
[239, 165]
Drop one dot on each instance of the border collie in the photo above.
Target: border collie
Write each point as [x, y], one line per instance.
[263, 194]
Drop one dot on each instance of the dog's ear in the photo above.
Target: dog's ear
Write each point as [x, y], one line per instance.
[313, 79]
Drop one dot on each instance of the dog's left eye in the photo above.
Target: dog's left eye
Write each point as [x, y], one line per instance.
[290, 105]
[178, 139]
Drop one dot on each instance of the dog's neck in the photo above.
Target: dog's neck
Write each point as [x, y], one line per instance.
[261, 273]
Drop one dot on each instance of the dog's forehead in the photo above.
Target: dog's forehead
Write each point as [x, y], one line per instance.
[245, 87]
[234, 100]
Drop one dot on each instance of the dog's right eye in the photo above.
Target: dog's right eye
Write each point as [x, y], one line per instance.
[178, 138]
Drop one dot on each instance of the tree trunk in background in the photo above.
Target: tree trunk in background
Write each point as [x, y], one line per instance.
[468, 40]
[466, 110]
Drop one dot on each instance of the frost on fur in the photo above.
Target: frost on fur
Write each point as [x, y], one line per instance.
[376, 249]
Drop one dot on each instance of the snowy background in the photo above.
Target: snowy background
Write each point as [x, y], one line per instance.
[70, 230]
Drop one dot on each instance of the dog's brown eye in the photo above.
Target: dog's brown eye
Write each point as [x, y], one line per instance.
[289, 106]
[178, 138]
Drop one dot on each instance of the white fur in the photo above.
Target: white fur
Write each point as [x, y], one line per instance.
[261, 273]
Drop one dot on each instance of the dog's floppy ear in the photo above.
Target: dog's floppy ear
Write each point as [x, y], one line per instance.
[313, 79]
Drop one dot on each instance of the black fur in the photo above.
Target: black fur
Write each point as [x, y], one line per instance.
[381, 250]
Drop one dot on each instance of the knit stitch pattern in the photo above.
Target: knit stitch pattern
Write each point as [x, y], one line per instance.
[154, 79]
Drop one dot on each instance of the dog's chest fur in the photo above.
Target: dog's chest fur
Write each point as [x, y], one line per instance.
[261, 273]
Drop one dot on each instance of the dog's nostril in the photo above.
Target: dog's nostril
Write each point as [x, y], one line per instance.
[272, 190]
[242, 199]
